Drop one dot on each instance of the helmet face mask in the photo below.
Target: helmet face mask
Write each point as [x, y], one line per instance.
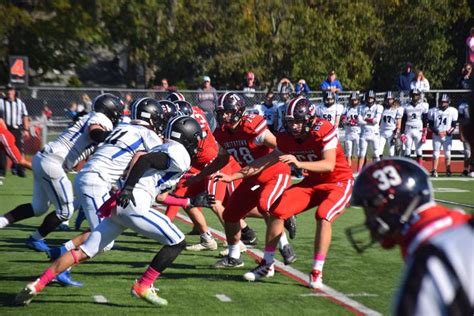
[229, 110]
[354, 99]
[415, 96]
[444, 102]
[329, 98]
[298, 116]
[370, 98]
[184, 107]
[149, 112]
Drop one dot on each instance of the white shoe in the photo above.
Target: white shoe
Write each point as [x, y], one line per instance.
[203, 245]
[3, 222]
[27, 294]
[471, 174]
[225, 252]
[315, 279]
[263, 270]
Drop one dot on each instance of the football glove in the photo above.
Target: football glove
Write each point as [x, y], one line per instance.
[126, 196]
[202, 200]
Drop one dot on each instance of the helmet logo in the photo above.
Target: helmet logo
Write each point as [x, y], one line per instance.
[388, 177]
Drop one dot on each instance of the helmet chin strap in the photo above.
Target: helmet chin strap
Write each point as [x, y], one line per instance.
[409, 210]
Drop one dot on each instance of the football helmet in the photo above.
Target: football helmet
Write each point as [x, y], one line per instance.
[148, 112]
[354, 99]
[299, 109]
[184, 107]
[389, 99]
[187, 131]
[444, 101]
[175, 96]
[110, 105]
[369, 97]
[389, 191]
[329, 98]
[415, 96]
[230, 102]
[169, 109]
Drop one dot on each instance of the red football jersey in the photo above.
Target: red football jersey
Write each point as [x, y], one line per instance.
[242, 143]
[311, 148]
[209, 145]
[7, 140]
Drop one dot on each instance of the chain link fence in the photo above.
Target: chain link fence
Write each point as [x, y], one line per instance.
[51, 109]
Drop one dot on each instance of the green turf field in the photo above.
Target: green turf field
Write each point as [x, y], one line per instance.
[190, 285]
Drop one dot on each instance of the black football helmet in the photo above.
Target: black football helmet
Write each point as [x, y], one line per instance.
[301, 110]
[184, 107]
[230, 102]
[354, 99]
[175, 96]
[329, 98]
[148, 112]
[187, 131]
[388, 191]
[415, 96]
[169, 109]
[444, 101]
[110, 105]
[369, 98]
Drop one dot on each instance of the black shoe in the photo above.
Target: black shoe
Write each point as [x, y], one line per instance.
[249, 237]
[290, 225]
[448, 172]
[228, 262]
[465, 173]
[288, 254]
[194, 232]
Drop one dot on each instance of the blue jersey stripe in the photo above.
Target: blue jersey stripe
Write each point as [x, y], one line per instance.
[155, 225]
[131, 149]
[166, 221]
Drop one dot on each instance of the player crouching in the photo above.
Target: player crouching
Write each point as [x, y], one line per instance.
[152, 174]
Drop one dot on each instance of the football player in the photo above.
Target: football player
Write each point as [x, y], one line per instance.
[414, 122]
[463, 110]
[442, 121]
[312, 145]
[390, 125]
[246, 137]
[268, 109]
[280, 108]
[7, 143]
[330, 110]
[350, 121]
[397, 198]
[153, 173]
[371, 114]
[51, 184]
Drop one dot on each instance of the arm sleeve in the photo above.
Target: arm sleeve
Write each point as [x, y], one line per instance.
[404, 121]
[155, 160]
[424, 119]
[98, 135]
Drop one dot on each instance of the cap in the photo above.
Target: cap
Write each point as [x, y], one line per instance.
[250, 75]
[10, 87]
[409, 64]
[206, 78]
[332, 72]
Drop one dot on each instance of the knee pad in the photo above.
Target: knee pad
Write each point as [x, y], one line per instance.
[467, 154]
[447, 154]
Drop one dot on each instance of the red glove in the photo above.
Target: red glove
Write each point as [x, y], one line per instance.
[403, 138]
[369, 120]
[105, 210]
[353, 122]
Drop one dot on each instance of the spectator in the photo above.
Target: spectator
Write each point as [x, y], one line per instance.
[127, 102]
[250, 86]
[285, 94]
[86, 102]
[71, 110]
[164, 86]
[465, 81]
[420, 82]
[14, 112]
[470, 47]
[302, 88]
[207, 99]
[405, 78]
[46, 113]
[285, 85]
[331, 83]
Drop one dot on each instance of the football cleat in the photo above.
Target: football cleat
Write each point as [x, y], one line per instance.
[27, 294]
[465, 173]
[203, 245]
[290, 225]
[263, 270]
[228, 262]
[249, 237]
[56, 252]
[38, 245]
[63, 228]
[448, 172]
[315, 279]
[225, 252]
[65, 279]
[288, 254]
[148, 294]
[434, 173]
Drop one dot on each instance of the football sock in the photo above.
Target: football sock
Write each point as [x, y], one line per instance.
[45, 278]
[149, 277]
[318, 262]
[19, 213]
[50, 223]
[245, 229]
[283, 241]
[234, 251]
[165, 257]
[69, 245]
[3, 222]
[269, 254]
[37, 236]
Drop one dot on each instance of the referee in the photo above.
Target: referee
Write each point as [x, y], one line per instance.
[14, 113]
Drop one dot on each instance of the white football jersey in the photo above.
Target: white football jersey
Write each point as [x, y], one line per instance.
[111, 159]
[352, 113]
[75, 144]
[329, 113]
[414, 114]
[463, 110]
[269, 113]
[443, 119]
[390, 117]
[280, 110]
[156, 181]
[374, 112]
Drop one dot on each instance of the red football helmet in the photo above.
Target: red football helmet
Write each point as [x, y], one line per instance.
[230, 103]
[301, 110]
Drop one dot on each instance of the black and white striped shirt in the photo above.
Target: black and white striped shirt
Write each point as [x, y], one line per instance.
[13, 112]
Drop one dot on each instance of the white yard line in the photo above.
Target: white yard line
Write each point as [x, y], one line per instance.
[328, 292]
[100, 299]
[223, 298]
